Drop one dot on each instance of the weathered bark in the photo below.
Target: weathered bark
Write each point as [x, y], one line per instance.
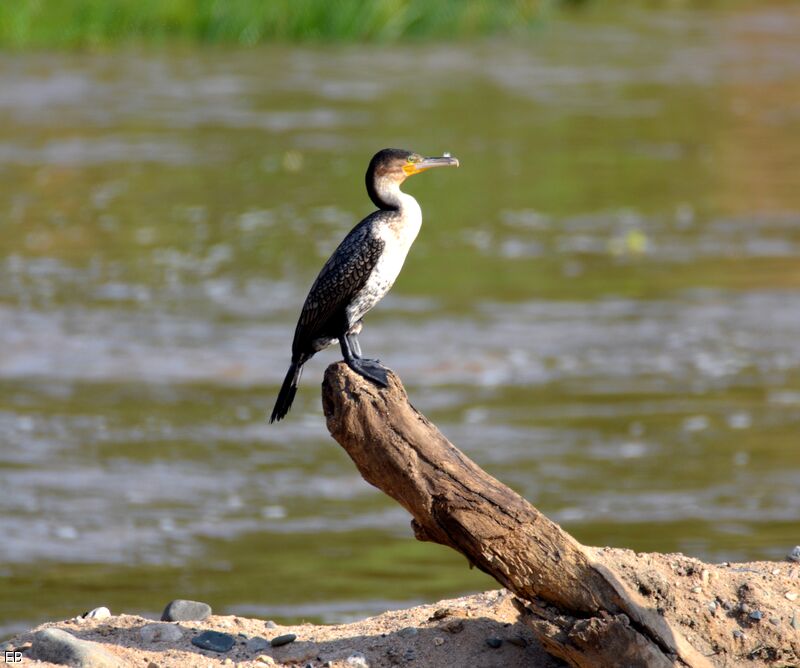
[580, 611]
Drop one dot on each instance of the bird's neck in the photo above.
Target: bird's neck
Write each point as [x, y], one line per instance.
[386, 194]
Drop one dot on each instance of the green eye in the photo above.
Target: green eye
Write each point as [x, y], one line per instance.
[413, 158]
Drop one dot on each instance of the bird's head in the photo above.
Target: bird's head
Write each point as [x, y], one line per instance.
[391, 166]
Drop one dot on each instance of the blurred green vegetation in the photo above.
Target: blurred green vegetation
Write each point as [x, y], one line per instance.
[78, 23]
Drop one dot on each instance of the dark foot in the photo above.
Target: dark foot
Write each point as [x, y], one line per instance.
[370, 369]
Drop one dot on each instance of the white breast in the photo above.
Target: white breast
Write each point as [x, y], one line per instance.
[397, 238]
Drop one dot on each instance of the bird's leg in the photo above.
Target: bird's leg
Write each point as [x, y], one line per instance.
[370, 369]
[355, 346]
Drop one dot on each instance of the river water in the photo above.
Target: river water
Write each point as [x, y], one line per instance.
[602, 308]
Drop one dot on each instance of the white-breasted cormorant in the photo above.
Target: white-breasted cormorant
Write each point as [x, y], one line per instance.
[360, 272]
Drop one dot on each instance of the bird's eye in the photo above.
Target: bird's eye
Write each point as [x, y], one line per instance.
[413, 158]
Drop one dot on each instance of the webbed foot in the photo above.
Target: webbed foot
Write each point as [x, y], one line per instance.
[370, 369]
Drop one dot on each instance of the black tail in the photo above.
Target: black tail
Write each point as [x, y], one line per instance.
[288, 390]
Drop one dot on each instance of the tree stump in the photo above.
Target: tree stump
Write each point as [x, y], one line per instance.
[579, 609]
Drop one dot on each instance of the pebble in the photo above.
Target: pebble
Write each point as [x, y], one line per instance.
[790, 596]
[257, 644]
[494, 642]
[408, 632]
[712, 607]
[357, 660]
[441, 613]
[454, 626]
[697, 590]
[58, 646]
[794, 555]
[518, 640]
[775, 621]
[438, 641]
[180, 610]
[98, 613]
[738, 634]
[270, 624]
[795, 623]
[153, 664]
[227, 662]
[285, 639]
[214, 641]
[160, 632]
[757, 615]
[266, 660]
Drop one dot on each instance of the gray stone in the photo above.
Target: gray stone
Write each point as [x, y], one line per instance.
[257, 644]
[285, 639]
[160, 632]
[757, 615]
[794, 555]
[408, 632]
[58, 646]
[180, 610]
[214, 641]
[494, 642]
[270, 624]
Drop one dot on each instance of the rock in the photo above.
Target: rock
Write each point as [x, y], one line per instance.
[160, 632]
[214, 641]
[180, 610]
[357, 660]
[438, 641]
[408, 632]
[270, 624]
[441, 613]
[257, 644]
[266, 660]
[794, 555]
[153, 664]
[58, 646]
[494, 642]
[697, 590]
[795, 622]
[98, 613]
[775, 621]
[790, 596]
[756, 615]
[712, 607]
[518, 640]
[454, 626]
[285, 639]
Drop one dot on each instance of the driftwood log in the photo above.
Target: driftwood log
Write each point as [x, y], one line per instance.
[579, 610]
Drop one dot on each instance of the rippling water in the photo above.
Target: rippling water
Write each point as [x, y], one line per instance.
[602, 308]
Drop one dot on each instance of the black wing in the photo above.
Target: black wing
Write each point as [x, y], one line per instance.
[343, 276]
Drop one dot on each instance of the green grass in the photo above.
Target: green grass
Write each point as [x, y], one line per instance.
[82, 23]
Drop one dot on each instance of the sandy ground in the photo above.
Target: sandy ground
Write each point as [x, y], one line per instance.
[742, 615]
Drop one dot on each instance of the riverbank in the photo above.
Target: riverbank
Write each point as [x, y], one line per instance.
[745, 615]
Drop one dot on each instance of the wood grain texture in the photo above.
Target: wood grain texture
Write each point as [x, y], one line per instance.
[581, 611]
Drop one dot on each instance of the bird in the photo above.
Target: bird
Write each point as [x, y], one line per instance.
[360, 271]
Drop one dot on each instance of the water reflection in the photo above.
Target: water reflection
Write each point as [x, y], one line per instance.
[602, 307]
